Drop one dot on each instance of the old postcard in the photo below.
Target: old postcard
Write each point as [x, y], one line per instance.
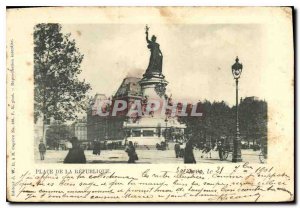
[150, 104]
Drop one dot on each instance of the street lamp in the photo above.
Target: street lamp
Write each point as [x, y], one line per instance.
[236, 72]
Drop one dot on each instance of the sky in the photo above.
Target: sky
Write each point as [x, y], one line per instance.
[197, 57]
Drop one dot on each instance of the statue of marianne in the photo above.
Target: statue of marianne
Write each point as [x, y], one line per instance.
[155, 63]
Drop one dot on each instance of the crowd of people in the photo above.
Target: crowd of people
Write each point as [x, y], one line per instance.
[185, 150]
[182, 149]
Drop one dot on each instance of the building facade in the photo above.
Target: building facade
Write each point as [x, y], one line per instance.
[111, 127]
[79, 129]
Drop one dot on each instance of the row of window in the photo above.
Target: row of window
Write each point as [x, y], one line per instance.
[144, 133]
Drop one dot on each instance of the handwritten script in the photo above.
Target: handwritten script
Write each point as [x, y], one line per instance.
[223, 183]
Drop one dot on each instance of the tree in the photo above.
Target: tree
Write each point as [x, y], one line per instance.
[221, 117]
[58, 92]
[56, 133]
[253, 120]
[220, 120]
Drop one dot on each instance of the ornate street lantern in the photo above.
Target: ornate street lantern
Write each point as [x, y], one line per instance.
[236, 72]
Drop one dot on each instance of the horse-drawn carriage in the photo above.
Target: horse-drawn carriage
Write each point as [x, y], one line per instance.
[223, 146]
[179, 149]
[263, 150]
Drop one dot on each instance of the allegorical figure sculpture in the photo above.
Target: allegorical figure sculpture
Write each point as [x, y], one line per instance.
[155, 63]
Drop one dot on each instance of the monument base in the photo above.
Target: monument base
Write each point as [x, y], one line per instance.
[149, 132]
[153, 86]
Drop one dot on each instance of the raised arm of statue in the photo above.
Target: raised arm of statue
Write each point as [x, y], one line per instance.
[147, 29]
[147, 39]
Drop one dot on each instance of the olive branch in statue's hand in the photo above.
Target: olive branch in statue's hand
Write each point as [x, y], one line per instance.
[147, 29]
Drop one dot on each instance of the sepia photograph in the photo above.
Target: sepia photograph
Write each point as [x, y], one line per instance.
[150, 104]
[133, 94]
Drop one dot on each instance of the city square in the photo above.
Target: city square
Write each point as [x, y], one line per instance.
[151, 156]
[142, 120]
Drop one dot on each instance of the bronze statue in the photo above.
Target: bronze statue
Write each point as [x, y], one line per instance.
[155, 63]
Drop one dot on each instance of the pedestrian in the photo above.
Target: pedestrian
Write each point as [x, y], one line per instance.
[177, 150]
[131, 153]
[188, 153]
[220, 148]
[105, 145]
[76, 153]
[42, 150]
[96, 147]
[182, 147]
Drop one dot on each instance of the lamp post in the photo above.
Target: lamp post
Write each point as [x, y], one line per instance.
[236, 72]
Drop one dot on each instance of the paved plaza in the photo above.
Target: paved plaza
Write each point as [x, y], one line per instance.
[151, 156]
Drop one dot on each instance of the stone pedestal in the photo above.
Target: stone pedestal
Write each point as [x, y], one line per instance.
[152, 86]
[151, 130]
